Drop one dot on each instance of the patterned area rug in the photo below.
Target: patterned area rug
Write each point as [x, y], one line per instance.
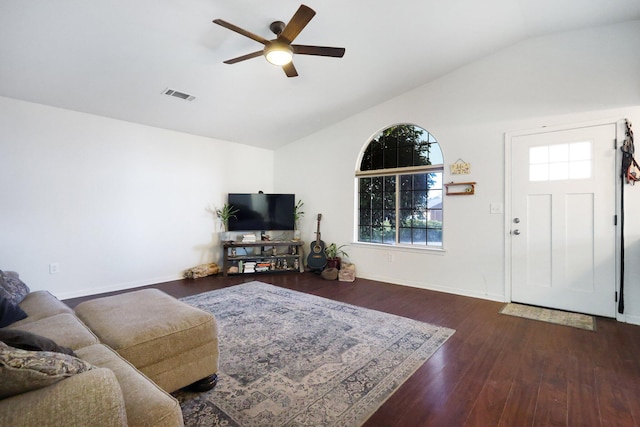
[576, 320]
[293, 359]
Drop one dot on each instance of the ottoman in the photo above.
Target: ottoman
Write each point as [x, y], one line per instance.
[172, 343]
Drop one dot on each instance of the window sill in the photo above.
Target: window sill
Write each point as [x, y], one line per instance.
[401, 248]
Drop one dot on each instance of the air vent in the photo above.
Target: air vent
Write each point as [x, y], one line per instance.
[178, 94]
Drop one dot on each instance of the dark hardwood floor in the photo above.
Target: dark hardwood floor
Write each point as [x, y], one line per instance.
[496, 370]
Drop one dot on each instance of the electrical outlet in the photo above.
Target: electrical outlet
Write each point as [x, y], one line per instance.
[389, 257]
[54, 268]
[496, 208]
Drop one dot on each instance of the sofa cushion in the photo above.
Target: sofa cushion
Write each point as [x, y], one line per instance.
[10, 312]
[29, 341]
[23, 370]
[11, 287]
[145, 402]
[92, 398]
[65, 329]
[41, 304]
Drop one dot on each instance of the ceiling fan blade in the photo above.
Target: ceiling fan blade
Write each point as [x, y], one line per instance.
[239, 30]
[336, 52]
[244, 57]
[290, 70]
[297, 23]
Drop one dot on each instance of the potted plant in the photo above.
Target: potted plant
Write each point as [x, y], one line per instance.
[334, 255]
[224, 214]
[298, 213]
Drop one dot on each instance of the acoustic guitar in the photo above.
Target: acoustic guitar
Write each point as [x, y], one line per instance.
[317, 259]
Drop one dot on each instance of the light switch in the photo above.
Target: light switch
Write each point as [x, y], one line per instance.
[496, 208]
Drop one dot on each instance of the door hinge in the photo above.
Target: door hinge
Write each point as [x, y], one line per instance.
[615, 220]
[616, 296]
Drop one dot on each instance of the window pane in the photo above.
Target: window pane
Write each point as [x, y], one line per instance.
[420, 236]
[558, 153]
[365, 201]
[377, 184]
[376, 218]
[405, 182]
[376, 235]
[434, 237]
[538, 155]
[435, 180]
[365, 217]
[377, 201]
[390, 157]
[420, 181]
[377, 159]
[539, 172]
[405, 236]
[580, 170]
[558, 170]
[406, 201]
[389, 201]
[405, 217]
[423, 154]
[390, 142]
[365, 185]
[365, 165]
[435, 153]
[389, 235]
[580, 151]
[435, 199]
[419, 199]
[418, 219]
[405, 156]
[390, 184]
[434, 215]
[364, 234]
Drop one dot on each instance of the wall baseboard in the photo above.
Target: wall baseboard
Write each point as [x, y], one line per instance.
[116, 287]
[438, 288]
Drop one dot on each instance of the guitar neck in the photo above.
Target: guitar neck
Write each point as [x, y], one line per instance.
[318, 230]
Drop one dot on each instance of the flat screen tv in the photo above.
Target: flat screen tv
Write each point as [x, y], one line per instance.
[262, 212]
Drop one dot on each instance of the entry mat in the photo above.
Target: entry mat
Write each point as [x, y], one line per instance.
[575, 320]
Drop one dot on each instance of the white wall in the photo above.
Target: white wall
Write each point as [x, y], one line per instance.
[119, 205]
[554, 80]
[115, 204]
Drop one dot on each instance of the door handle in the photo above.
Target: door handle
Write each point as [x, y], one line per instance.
[516, 232]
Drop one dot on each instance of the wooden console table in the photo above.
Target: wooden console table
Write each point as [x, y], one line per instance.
[261, 257]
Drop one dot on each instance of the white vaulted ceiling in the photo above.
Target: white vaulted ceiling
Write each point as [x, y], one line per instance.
[115, 57]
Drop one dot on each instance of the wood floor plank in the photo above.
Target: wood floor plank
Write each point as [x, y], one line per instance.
[495, 370]
[522, 401]
[552, 399]
[490, 403]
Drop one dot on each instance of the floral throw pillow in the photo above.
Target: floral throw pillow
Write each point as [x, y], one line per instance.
[23, 370]
[11, 287]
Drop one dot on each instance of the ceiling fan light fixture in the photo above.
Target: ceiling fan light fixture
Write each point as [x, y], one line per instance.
[278, 54]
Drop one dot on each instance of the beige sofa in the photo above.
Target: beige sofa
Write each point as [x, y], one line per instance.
[113, 393]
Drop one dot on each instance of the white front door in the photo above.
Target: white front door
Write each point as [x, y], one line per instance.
[563, 207]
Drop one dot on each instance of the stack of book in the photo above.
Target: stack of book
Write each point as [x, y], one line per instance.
[248, 238]
[249, 267]
[263, 266]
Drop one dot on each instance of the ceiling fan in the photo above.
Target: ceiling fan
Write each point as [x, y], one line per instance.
[280, 50]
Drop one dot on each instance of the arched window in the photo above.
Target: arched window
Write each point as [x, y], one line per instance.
[400, 188]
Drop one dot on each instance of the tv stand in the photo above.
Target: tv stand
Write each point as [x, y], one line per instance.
[268, 256]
